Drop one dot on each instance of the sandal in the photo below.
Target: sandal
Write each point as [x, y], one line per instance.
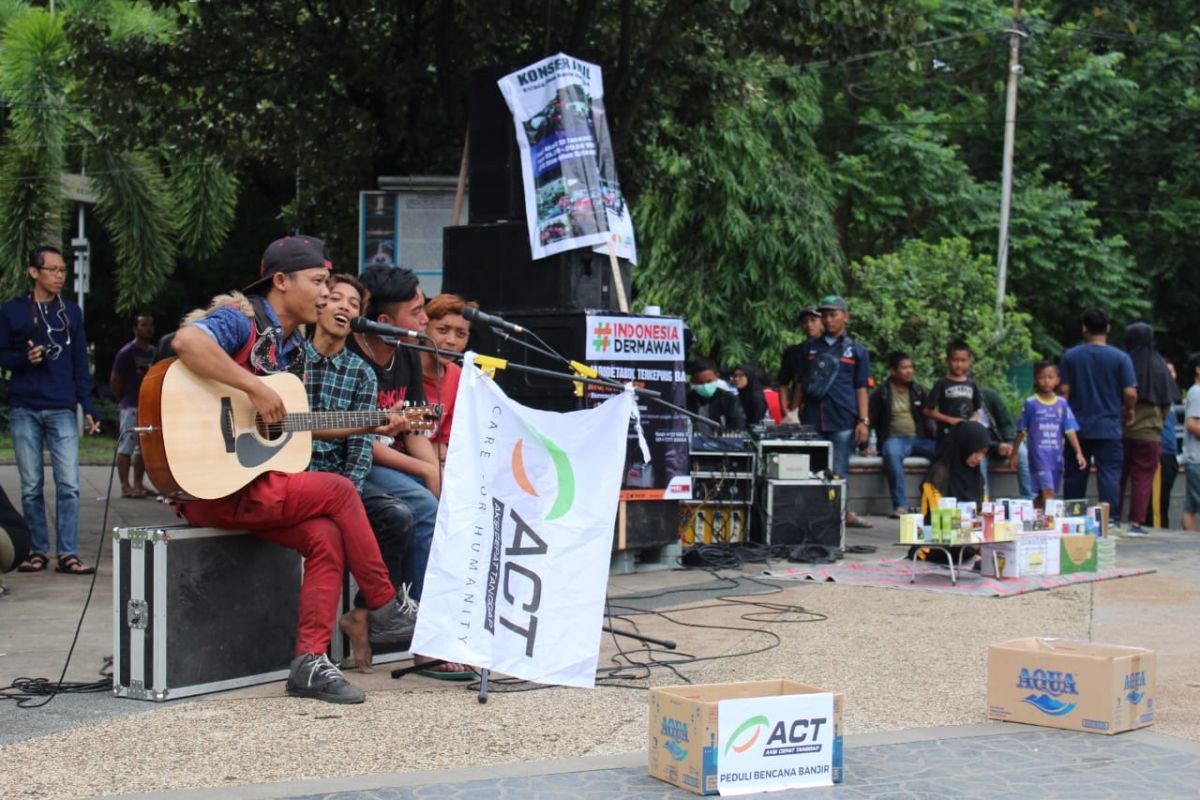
[71, 565]
[35, 563]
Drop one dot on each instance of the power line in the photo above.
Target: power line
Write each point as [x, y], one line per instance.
[823, 63]
[1118, 37]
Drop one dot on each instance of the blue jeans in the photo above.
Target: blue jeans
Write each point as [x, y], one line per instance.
[897, 448]
[412, 492]
[58, 432]
[1108, 455]
[843, 443]
[1024, 480]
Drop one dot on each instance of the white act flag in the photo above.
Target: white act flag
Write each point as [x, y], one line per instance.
[519, 562]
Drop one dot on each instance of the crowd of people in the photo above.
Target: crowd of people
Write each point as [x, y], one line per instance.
[1101, 408]
[368, 501]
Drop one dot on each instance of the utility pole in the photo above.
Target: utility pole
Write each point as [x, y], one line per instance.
[1010, 134]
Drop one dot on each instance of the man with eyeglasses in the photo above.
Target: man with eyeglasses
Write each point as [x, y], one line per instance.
[43, 345]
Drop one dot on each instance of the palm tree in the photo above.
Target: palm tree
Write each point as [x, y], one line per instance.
[154, 205]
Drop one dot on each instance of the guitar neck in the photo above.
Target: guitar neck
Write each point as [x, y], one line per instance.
[331, 420]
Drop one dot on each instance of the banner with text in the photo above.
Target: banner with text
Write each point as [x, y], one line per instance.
[775, 742]
[572, 196]
[647, 351]
[519, 563]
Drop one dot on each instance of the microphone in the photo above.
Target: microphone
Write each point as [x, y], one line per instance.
[364, 325]
[475, 315]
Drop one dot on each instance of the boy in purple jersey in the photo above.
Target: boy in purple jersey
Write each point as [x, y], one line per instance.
[1046, 418]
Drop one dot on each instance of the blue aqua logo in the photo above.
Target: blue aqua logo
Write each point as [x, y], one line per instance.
[675, 729]
[1048, 682]
[677, 752]
[1133, 682]
[1048, 705]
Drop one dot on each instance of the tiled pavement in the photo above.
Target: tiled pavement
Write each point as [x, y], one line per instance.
[978, 761]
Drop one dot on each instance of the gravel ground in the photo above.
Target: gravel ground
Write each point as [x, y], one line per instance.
[903, 659]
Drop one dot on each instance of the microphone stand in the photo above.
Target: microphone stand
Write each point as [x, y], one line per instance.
[490, 364]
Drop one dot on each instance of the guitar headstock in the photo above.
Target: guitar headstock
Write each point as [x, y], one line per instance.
[423, 417]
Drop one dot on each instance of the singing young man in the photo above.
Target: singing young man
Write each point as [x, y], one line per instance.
[317, 514]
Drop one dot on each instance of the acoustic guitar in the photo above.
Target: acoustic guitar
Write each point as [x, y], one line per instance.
[205, 439]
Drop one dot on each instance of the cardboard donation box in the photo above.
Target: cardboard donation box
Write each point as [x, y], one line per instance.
[1080, 686]
[737, 738]
[1032, 554]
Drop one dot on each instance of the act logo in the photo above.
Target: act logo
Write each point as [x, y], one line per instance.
[748, 733]
[564, 481]
[602, 332]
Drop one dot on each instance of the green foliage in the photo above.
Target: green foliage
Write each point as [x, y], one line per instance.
[738, 226]
[205, 198]
[131, 198]
[47, 132]
[31, 46]
[924, 296]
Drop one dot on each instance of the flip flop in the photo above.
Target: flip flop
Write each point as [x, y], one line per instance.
[439, 675]
[858, 522]
[71, 565]
[35, 563]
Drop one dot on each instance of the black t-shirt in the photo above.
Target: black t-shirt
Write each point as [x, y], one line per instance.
[955, 399]
[399, 380]
[787, 369]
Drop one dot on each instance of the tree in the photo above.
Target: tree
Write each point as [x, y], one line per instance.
[744, 225]
[152, 205]
[925, 295]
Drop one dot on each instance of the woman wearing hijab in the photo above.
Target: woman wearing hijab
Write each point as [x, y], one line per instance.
[750, 393]
[955, 468]
[955, 473]
[1156, 391]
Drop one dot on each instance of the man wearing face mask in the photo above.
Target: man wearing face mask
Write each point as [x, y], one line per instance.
[709, 400]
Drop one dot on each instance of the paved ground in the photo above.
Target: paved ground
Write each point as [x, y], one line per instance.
[911, 665]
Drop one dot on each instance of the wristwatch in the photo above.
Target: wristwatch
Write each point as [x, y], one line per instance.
[864, 421]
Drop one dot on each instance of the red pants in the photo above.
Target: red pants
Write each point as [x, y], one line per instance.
[319, 515]
[1141, 463]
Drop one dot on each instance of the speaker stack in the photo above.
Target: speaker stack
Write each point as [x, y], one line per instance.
[489, 259]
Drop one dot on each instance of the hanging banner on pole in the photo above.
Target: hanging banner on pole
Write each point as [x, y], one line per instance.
[519, 563]
[572, 195]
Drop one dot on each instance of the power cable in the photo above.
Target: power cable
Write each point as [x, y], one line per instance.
[26, 690]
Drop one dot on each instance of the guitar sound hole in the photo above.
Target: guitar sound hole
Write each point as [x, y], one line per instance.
[269, 431]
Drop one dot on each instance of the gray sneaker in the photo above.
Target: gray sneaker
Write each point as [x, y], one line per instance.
[316, 677]
[394, 622]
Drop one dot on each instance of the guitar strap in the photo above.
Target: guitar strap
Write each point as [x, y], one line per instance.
[260, 354]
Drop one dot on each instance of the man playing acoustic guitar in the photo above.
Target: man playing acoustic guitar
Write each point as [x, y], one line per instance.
[317, 514]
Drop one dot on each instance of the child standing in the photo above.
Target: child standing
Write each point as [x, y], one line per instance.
[954, 398]
[1046, 418]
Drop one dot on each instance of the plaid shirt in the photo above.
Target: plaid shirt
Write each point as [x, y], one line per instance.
[342, 382]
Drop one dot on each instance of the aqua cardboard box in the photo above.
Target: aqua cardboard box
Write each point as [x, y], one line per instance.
[1080, 686]
[683, 731]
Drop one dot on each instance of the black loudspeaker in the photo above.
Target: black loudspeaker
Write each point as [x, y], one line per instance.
[563, 332]
[493, 159]
[802, 512]
[493, 265]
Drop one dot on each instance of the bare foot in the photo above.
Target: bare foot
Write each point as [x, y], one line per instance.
[354, 625]
[449, 666]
